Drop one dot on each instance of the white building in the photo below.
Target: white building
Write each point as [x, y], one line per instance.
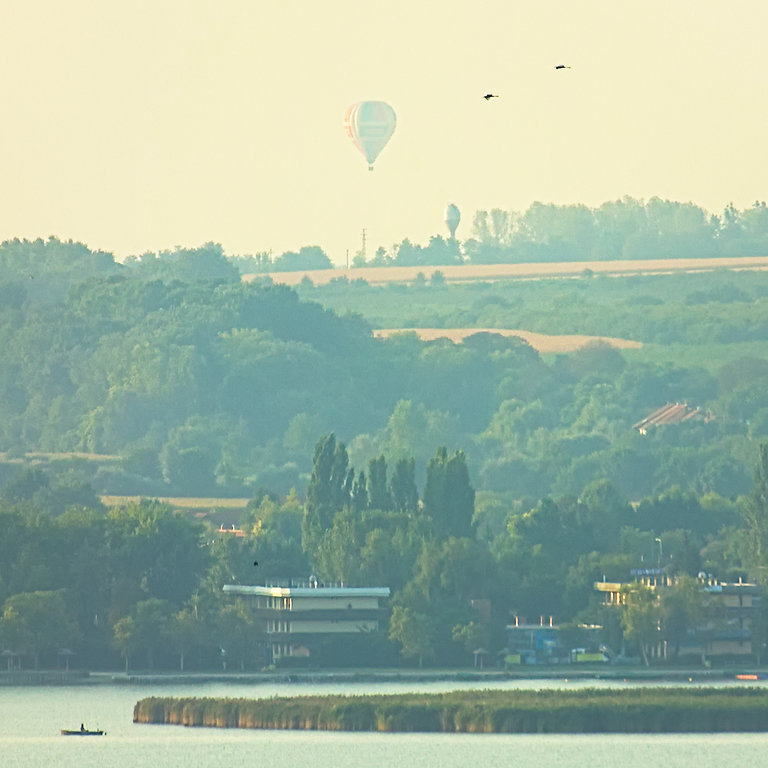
[296, 618]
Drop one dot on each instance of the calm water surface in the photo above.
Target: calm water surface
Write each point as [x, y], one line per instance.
[30, 719]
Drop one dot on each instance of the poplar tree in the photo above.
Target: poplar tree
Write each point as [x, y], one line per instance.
[405, 495]
[378, 490]
[756, 515]
[449, 498]
[360, 493]
[329, 490]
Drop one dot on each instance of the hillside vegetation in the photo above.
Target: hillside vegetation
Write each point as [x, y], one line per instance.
[479, 473]
[204, 386]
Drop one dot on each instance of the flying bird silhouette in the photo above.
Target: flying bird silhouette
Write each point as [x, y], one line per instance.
[562, 66]
[489, 96]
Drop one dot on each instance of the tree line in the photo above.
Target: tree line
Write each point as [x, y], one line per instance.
[621, 229]
[189, 382]
[168, 376]
[141, 585]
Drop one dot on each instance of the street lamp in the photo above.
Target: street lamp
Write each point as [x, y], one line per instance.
[661, 550]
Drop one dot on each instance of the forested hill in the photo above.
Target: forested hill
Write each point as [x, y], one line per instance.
[193, 377]
[203, 384]
[538, 475]
[195, 383]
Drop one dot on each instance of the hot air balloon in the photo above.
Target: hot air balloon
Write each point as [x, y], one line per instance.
[370, 125]
[452, 218]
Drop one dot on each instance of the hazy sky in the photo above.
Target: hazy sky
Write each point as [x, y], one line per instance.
[142, 125]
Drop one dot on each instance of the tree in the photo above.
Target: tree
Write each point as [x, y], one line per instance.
[360, 500]
[144, 629]
[274, 539]
[329, 490]
[412, 630]
[126, 639]
[308, 257]
[387, 555]
[641, 618]
[236, 633]
[756, 516]
[37, 623]
[447, 577]
[378, 490]
[597, 359]
[25, 485]
[449, 498]
[686, 610]
[603, 512]
[153, 553]
[190, 265]
[150, 619]
[188, 458]
[185, 632]
[205, 263]
[412, 430]
[337, 557]
[471, 636]
[405, 494]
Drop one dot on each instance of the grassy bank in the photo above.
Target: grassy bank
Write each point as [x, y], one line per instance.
[671, 710]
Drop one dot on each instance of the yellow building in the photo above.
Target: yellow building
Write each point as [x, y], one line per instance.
[727, 635]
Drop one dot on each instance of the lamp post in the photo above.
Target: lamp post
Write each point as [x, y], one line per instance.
[661, 549]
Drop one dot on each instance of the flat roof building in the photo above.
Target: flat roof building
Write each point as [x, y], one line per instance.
[296, 618]
[726, 633]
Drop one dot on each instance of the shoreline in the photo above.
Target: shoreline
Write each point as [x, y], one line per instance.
[566, 672]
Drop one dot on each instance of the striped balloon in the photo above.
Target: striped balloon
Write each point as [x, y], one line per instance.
[370, 125]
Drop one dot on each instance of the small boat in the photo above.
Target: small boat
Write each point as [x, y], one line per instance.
[81, 731]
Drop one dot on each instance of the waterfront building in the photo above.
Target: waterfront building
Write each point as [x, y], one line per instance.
[297, 616]
[726, 634]
[542, 643]
[533, 643]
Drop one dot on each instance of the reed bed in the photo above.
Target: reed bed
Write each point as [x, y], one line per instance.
[670, 710]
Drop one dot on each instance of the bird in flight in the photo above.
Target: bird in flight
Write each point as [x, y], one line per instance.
[489, 96]
[562, 66]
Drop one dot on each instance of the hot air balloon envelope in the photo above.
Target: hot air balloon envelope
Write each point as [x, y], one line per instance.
[370, 125]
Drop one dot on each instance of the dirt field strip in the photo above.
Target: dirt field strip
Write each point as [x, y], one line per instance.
[62, 456]
[468, 272]
[541, 342]
[179, 502]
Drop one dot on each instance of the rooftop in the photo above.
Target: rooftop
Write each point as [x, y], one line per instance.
[307, 591]
[671, 413]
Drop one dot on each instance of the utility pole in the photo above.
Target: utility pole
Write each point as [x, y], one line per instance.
[362, 250]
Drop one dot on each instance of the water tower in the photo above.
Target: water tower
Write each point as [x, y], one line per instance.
[452, 218]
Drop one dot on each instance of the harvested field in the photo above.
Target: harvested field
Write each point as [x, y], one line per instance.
[541, 342]
[62, 456]
[470, 272]
[179, 502]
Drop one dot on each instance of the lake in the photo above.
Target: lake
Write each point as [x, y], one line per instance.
[31, 717]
